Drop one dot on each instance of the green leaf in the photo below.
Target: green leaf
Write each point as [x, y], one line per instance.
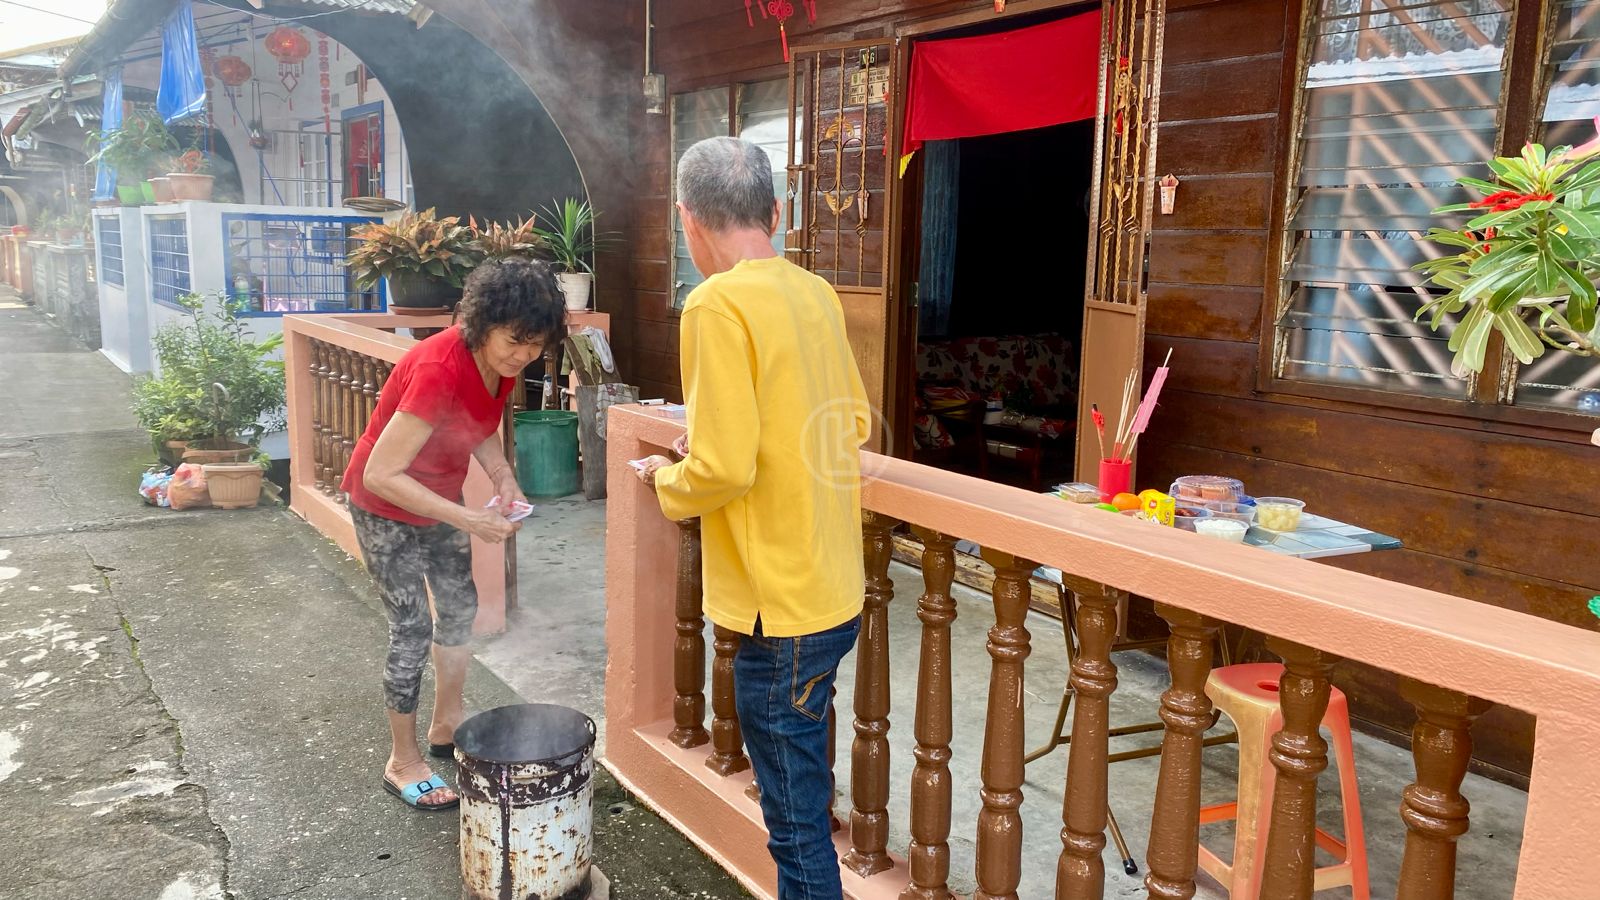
[1520, 339]
[1478, 184]
[1565, 247]
[1580, 223]
[1586, 178]
[1450, 238]
[1508, 294]
[1470, 341]
[1514, 172]
[1548, 275]
[1581, 304]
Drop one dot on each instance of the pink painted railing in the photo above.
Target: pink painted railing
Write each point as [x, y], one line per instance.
[1453, 655]
[336, 366]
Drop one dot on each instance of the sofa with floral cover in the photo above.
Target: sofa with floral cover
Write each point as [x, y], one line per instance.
[1033, 375]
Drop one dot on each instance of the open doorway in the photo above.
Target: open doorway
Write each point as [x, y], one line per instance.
[996, 243]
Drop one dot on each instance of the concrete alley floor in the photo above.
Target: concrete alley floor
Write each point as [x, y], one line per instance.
[189, 701]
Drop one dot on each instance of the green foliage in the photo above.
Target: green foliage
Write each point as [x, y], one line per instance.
[572, 240]
[1526, 262]
[216, 379]
[418, 243]
[137, 150]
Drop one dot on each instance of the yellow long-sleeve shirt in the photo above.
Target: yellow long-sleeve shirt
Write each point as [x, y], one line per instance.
[777, 415]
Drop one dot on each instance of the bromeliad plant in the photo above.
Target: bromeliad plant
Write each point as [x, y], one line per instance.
[499, 240]
[418, 243]
[1528, 258]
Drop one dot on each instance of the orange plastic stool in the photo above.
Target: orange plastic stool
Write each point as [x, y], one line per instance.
[1248, 694]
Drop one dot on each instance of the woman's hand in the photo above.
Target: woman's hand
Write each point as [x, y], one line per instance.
[505, 484]
[647, 471]
[489, 524]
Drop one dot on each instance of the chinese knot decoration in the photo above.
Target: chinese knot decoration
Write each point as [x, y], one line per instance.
[781, 10]
[290, 48]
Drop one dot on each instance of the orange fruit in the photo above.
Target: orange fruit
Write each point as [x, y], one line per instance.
[1125, 502]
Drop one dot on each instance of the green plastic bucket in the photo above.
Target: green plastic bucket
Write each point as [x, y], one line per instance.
[547, 452]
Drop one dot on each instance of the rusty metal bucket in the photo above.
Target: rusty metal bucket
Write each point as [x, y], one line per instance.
[527, 803]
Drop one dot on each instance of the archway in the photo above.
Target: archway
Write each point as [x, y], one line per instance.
[18, 208]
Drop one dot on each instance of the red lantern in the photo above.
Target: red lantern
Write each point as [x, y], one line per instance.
[232, 70]
[290, 48]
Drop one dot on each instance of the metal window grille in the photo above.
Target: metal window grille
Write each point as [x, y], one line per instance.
[1401, 99]
[289, 264]
[169, 258]
[110, 241]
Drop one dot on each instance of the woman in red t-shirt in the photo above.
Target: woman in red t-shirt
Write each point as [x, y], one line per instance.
[441, 408]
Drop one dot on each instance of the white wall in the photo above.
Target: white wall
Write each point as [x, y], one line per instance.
[124, 324]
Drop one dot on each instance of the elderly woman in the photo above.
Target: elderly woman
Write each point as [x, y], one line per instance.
[440, 409]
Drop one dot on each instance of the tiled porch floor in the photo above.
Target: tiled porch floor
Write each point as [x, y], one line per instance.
[554, 652]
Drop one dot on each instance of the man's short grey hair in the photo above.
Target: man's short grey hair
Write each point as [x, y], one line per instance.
[727, 184]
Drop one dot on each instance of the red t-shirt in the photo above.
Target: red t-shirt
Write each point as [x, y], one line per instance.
[438, 382]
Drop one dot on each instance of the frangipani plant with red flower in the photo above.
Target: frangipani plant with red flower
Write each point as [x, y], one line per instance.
[1528, 260]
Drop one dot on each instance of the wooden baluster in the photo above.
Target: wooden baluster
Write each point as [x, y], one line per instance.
[318, 413]
[330, 413]
[1186, 711]
[869, 753]
[369, 372]
[352, 406]
[336, 380]
[1433, 809]
[929, 855]
[1300, 754]
[689, 650]
[1080, 873]
[999, 862]
[727, 743]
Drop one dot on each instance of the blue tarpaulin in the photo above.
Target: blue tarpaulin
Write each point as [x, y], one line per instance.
[183, 81]
[105, 177]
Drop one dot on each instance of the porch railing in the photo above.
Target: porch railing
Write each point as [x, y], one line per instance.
[336, 368]
[1453, 655]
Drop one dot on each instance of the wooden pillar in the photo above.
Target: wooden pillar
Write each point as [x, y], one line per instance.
[318, 414]
[369, 388]
[727, 743]
[929, 854]
[1300, 754]
[325, 396]
[999, 851]
[689, 650]
[869, 753]
[1080, 872]
[1186, 711]
[1435, 813]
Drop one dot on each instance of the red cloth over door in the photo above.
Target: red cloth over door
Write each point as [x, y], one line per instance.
[1011, 81]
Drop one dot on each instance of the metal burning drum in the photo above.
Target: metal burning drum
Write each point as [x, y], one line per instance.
[527, 803]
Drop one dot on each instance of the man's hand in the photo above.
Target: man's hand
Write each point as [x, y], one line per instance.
[647, 471]
[681, 446]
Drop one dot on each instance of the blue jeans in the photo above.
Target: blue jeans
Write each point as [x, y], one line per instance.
[783, 688]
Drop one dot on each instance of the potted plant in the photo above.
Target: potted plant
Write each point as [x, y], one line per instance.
[425, 258]
[218, 391]
[191, 179]
[134, 151]
[499, 240]
[571, 242]
[236, 485]
[1527, 260]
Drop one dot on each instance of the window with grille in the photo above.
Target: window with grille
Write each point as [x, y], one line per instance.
[169, 259]
[109, 239]
[280, 264]
[760, 115]
[1401, 98]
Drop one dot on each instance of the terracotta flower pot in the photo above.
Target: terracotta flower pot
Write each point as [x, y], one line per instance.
[214, 451]
[162, 186]
[233, 485]
[191, 187]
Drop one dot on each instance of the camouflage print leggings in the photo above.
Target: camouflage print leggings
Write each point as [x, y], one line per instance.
[406, 560]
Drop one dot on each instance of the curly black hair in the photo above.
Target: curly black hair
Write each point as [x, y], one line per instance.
[517, 293]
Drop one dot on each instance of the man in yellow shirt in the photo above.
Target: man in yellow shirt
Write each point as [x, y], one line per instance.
[777, 415]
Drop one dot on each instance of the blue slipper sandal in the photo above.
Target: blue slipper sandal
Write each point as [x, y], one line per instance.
[412, 794]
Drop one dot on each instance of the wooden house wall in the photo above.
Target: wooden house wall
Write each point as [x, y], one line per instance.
[1498, 513]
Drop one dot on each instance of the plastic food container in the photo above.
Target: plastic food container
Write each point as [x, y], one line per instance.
[1184, 516]
[1238, 512]
[1221, 529]
[1279, 513]
[1207, 488]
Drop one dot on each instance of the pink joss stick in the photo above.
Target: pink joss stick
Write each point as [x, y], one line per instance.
[1147, 408]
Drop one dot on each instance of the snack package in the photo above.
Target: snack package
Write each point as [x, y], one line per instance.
[188, 488]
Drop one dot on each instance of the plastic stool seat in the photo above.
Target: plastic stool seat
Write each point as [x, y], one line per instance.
[1248, 694]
